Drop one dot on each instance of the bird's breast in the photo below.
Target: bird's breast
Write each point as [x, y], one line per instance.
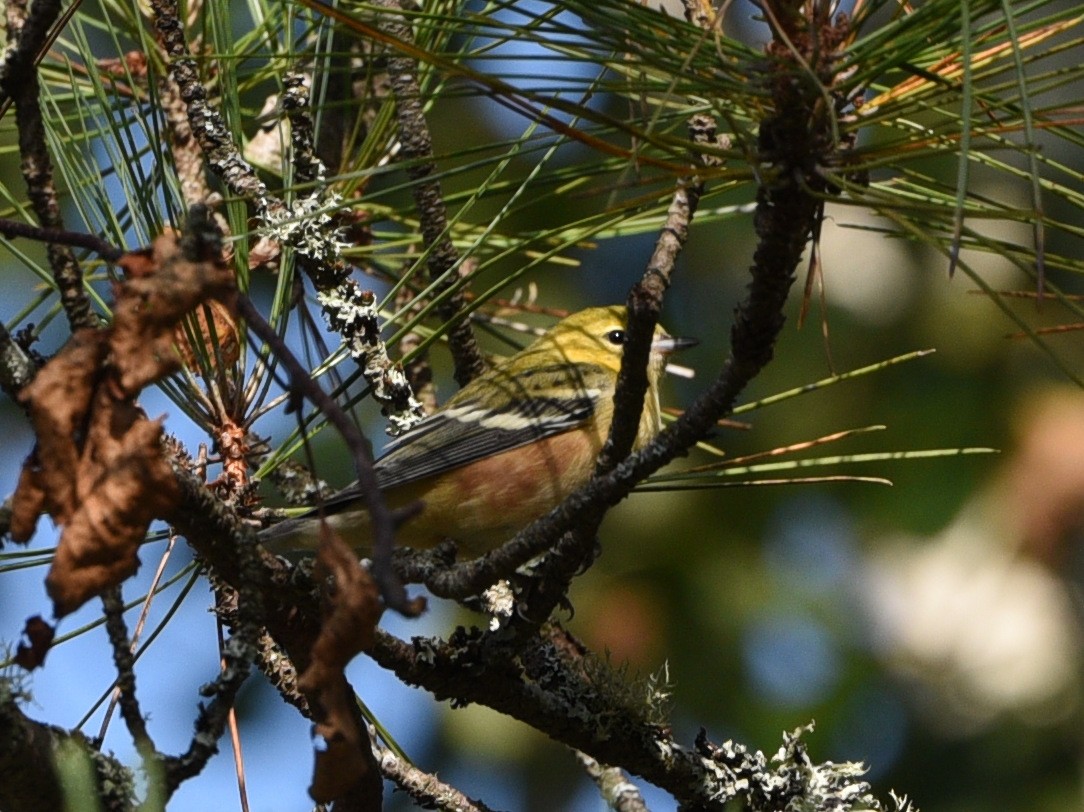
[486, 502]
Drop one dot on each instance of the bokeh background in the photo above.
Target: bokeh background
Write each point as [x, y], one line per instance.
[931, 628]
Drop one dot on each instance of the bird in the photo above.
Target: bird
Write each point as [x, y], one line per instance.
[505, 449]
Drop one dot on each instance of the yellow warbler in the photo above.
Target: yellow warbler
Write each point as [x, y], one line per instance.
[506, 448]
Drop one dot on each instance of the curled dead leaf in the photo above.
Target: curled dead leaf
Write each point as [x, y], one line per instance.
[28, 503]
[40, 635]
[58, 400]
[122, 484]
[162, 287]
[352, 609]
[99, 468]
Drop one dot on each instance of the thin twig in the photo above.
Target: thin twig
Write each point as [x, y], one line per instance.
[19, 81]
[124, 659]
[140, 623]
[645, 298]
[552, 579]
[238, 653]
[428, 791]
[235, 734]
[60, 236]
[617, 791]
[211, 720]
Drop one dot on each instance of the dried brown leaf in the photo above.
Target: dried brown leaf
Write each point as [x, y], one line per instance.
[58, 400]
[123, 484]
[352, 609]
[162, 287]
[40, 635]
[99, 468]
[28, 502]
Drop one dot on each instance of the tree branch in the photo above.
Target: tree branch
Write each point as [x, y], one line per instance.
[19, 82]
[113, 609]
[207, 123]
[29, 754]
[618, 793]
[308, 168]
[417, 151]
[428, 791]
[16, 367]
[645, 299]
[312, 236]
[551, 580]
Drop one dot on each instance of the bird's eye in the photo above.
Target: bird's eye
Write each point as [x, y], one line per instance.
[616, 337]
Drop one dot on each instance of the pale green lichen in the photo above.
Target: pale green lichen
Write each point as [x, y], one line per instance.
[306, 226]
[352, 313]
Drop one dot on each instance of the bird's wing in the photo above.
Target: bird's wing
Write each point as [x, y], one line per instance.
[466, 430]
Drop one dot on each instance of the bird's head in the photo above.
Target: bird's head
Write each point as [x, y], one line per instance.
[597, 336]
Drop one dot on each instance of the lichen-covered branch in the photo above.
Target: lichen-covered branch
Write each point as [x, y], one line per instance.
[308, 168]
[208, 126]
[33, 756]
[124, 659]
[427, 791]
[551, 691]
[16, 367]
[352, 312]
[618, 793]
[184, 148]
[280, 672]
[417, 151]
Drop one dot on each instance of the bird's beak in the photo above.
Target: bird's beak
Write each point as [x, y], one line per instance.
[666, 345]
[669, 344]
